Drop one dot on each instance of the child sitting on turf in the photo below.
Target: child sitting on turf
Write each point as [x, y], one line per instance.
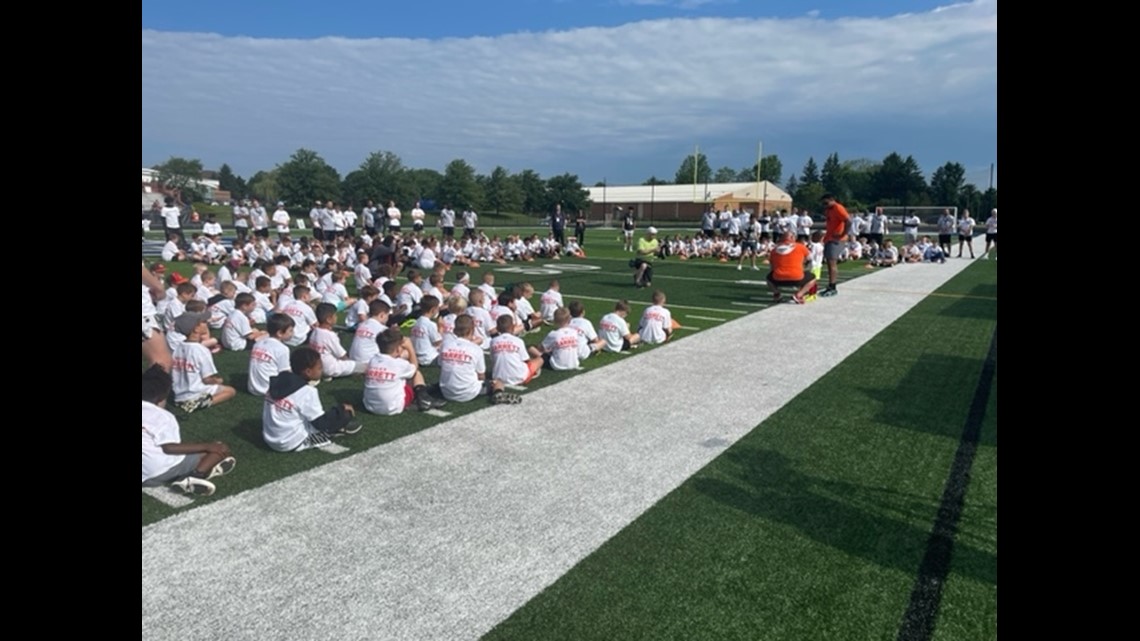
[196, 381]
[336, 293]
[591, 343]
[511, 361]
[561, 347]
[551, 301]
[194, 308]
[364, 346]
[387, 390]
[292, 419]
[358, 313]
[269, 356]
[302, 314]
[463, 369]
[334, 358]
[656, 324]
[221, 304]
[237, 332]
[165, 458]
[615, 330]
[481, 315]
[426, 338]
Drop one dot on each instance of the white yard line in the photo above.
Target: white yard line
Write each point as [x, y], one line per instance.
[444, 533]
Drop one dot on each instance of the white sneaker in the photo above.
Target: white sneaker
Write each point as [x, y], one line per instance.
[225, 466]
[195, 486]
[739, 267]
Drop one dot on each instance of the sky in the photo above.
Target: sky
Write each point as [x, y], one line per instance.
[614, 90]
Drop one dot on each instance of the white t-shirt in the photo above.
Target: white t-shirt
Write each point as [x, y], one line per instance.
[460, 364]
[586, 332]
[235, 331]
[172, 216]
[991, 225]
[159, 427]
[281, 218]
[352, 318]
[409, 296]
[287, 422]
[563, 346]
[364, 345]
[509, 357]
[192, 363]
[394, 217]
[304, 319]
[551, 301]
[654, 322]
[268, 358]
[483, 326]
[614, 330]
[169, 251]
[384, 383]
[425, 336]
[326, 343]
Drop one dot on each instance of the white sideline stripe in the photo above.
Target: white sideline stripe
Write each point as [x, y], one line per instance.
[719, 320]
[736, 302]
[446, 532]
[168, 496]
[695, 329]
[667, 304]
[333, 448]
[515, 388]
[437, 412]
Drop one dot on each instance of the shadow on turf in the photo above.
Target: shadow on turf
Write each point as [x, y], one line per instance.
[934, 397]
[870, 523]
[979, 302]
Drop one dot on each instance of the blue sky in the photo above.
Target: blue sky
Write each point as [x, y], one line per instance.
[615, 89]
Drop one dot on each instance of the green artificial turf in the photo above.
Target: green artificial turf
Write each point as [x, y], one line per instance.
[712, 288]
[815, 524]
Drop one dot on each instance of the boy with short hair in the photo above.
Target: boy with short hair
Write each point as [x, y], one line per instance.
[221, 304]
[196, 382]
[364, 346]
[561, 345]
[334, 358]
[304, 319]
[426, 338]
[551, 301]
[615, 330]
[512, 362]
[358, 313]
[292, 419]
[591, 342]
[269, 356]
[237, 332]
[463, 369]
[387, 391]
[165, 458]
[656, 324]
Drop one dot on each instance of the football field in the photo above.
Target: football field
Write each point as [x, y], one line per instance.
[775, 472]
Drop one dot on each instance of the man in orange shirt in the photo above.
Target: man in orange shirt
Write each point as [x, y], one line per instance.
[838, 224]
[787, 260]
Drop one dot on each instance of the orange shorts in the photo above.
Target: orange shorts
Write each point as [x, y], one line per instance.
[532, 367]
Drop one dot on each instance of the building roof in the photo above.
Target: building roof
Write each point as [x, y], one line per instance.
[687, 193]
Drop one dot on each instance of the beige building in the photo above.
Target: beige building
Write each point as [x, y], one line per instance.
[685, 202]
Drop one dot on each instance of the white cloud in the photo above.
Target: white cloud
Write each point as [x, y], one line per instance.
[529, 99]
[814, 13]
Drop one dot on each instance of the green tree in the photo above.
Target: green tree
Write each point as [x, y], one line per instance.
[771, 169]
[421, 184]
[946, 183]
[988, 203]
[834, 179]
[969, 197]
[263, 186]
[305, 177]
[502, 191]
[810, 173]
[685, 171]
[899, 181]
[808, 194]
[533, 190]
[183, 175]
[654, 180]
[459, 187]
[227, 181]
[859, 174]
[724, 175]
[567, 190]
[380, 177]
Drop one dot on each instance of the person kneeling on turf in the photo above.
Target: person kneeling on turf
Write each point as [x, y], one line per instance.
[788, 260]
[292, 419]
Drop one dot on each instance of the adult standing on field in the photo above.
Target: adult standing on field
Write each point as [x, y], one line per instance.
[558, 225]
[580, 228]
[838, 221]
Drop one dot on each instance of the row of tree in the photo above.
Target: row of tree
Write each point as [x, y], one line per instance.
[306, 177]
[860, 184]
